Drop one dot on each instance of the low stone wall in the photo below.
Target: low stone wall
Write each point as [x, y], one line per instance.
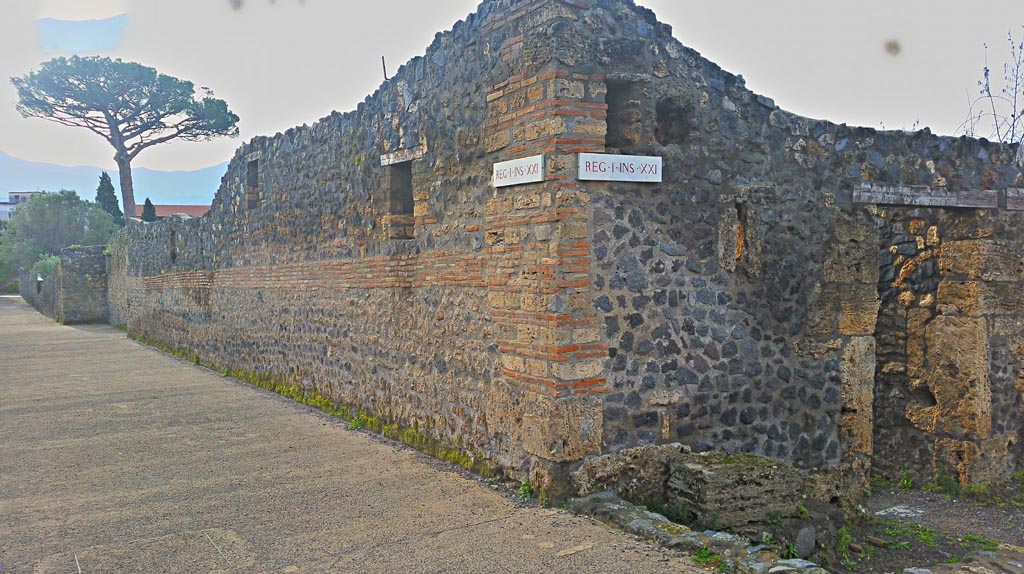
[45, 300]
[77, 290]
[28, 287]
[83, 285]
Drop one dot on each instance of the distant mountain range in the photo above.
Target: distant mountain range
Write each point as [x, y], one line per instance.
[161, 187]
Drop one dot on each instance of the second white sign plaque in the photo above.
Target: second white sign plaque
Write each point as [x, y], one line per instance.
[605, 167]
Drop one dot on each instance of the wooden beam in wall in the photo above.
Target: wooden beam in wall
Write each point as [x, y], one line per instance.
[1015, 199]
[925, 196]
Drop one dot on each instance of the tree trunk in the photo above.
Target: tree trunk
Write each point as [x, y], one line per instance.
[124, 170]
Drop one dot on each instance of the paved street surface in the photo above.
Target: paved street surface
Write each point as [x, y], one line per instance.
[117, 458]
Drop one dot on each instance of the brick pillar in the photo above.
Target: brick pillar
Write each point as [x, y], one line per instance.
[553, 352]
[540, 292]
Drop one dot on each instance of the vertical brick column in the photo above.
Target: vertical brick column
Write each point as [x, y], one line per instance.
[540, 288]
[553, 353]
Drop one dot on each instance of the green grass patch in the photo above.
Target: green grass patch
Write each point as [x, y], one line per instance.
[704, 556]
[909, 532]
[844, 538]
[987, 544]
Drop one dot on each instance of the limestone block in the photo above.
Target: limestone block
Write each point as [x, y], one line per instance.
[974, 462]
[545, 128]
[956, 375]
[578, 370]
[573, 231]
[849, 308]
[729, 240]
[982, 259]
[636, 474]
[977, 299]
[527, 334]
[857, 369]
[1006, 326]
[917, 320]
[535, 93]
[526, 201]
[497, 140]
[590, 128]
[723, 490]
[817, 349]
[554, 429]
[535, 302]
[852, 254]
[565, 89]
[513, 363]
[537, 368]
[850, 263]
[587, 335]
[859, 309]
[976, 224]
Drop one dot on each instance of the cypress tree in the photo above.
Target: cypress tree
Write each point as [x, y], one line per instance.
[148, 211]
[107, 199]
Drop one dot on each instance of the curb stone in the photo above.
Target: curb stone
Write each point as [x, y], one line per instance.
[744, 557]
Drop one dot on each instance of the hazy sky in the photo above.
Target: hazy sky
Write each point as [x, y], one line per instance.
[281, 63]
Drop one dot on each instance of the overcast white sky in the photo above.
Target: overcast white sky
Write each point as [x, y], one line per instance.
[282, 63]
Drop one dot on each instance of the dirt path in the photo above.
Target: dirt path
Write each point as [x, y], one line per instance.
[117, 458]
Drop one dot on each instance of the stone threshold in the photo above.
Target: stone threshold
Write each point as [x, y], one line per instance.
[734, 552]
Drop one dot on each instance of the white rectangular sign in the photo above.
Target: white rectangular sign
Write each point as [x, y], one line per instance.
[604, 167]
[519, 171]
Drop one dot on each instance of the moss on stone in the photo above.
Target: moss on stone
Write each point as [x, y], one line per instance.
[725, 458]
[460, 454]
[671, 528]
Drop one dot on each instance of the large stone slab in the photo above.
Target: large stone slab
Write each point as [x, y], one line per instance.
[982, 259]
[957, 380]
[637, 474]
[977, 299]
[721, 490]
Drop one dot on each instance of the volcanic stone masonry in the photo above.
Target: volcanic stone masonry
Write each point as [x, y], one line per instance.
[834, 298]
[76, 292]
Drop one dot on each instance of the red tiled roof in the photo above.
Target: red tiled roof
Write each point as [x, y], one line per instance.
[168, 210]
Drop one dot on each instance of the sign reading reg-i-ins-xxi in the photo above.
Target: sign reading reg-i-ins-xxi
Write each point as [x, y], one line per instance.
[605, 167]
[519, 171]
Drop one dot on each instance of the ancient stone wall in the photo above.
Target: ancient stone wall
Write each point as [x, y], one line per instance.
[733, 306]
[77, 290]
[368, 258]
[948, 380]
[27, 286]
[82, 292]
[740, 297]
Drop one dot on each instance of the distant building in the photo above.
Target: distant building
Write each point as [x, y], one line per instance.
[13, 199]
[169, 210]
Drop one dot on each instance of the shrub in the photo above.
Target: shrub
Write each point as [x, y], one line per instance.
[45, 266]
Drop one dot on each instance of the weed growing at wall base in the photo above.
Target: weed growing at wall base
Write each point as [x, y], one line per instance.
[525, 491]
